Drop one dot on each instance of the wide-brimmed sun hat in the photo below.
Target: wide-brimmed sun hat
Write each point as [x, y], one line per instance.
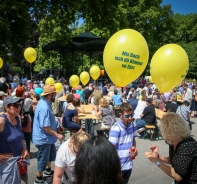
[48, 89]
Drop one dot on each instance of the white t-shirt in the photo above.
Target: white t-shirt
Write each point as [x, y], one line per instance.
[65, 158]
[139, 109]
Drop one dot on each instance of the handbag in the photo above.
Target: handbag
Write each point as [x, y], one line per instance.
[22, 165]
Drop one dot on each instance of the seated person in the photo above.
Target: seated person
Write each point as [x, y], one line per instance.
[117, 99]
[171, 106]
[106, 111]
[140, 107]
[77, 104]
[133, 101]
[147, 117]
[70, 117]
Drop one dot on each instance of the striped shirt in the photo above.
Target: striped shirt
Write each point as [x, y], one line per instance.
[122, 138]
[183, 111]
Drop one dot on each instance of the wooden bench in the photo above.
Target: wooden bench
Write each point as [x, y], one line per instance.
[159, 114]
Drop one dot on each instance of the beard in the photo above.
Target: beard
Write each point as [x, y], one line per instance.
[52, 99]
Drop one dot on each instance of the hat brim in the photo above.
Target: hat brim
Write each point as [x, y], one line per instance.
[43, 93]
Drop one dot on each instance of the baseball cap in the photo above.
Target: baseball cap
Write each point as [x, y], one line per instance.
[11, 100]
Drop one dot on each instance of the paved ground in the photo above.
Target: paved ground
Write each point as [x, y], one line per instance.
[143, 171]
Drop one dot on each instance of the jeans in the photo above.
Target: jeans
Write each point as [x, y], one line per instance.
[126, 175]
[46, 153]
[140, 123]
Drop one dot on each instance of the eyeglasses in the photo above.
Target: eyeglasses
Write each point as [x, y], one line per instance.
[128, 115]
[16, 105]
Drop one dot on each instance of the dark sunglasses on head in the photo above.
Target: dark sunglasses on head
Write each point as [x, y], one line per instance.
[16, 105]
[128, 115]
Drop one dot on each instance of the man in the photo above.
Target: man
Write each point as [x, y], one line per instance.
[133, 101]
[147, 116]
[45, 133]
[184, 111]
[122, 136]
[117, 99]
[88, 91]
[187, 93]
[171, 106]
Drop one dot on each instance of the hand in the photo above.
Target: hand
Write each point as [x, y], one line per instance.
[135, 153]
[25, 154]
[155, 151]
[4, 157]
[151, 157]
[60, 137]
[60, 130]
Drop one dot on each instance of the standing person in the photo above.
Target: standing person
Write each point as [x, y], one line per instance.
[88, 91]
[45, 133]
[81, 93]
[181, 164]
[2, 97]
[117, 99]
[187, 93]
[11, 141]
[122, 136]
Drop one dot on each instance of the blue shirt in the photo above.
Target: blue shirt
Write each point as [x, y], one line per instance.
[11, 138]
[122, 138]
[43, 117]
[133, 102]
[117, 100]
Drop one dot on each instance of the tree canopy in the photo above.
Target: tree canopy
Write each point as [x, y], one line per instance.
[36, 22]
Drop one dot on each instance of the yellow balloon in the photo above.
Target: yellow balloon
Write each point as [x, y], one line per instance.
[169, 66]
[74, 81]
[50, 81]
[58, 87]
[95, 72]
[30, 54]
[125, 56]
[84, 77]
[150, 79]
[1, 62]
[193, 79]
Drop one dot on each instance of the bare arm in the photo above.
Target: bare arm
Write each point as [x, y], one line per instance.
[58, 173]
[99, 113]
[2, 123]
[53, 133]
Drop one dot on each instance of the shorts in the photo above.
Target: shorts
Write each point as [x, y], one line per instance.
[46, 153]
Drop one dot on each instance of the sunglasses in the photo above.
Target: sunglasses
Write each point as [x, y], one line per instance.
[128, 115]
[16, 105]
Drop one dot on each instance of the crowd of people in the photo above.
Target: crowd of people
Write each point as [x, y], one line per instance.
[30, 109]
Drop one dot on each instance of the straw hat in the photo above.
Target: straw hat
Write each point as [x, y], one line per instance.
[48, 89]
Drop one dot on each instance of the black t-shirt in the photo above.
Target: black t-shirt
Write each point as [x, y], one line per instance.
[3, 87]
[87, 93]
[171, 107]
[149, 114]
[184, 160]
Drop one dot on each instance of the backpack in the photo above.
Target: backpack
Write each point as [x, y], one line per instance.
[24, 116]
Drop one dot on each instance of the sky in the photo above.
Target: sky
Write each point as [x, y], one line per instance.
[182, 6]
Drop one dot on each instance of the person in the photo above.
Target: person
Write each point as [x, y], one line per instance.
[181, 164]
[70, 117]
[88, 91]
[187, 93]
[45, 133]
[97, 95]
[133, 101]
[2, 97]
[140, 107]
[184, 111]
[81, 93]
[171, 106]
[122, 136]
[106, 111]
[100, 163]
[116, 98]
[147, 116]
[193, 107]
[65, 159]
[11, 137]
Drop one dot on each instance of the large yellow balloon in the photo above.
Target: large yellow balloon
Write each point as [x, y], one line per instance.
[169, 66]
[150, 79]
[30, 54]
[125, 56]
[58, 87]
[50, 81]
[84, 77]
[74, 81]
[1, 62]
[95, 72]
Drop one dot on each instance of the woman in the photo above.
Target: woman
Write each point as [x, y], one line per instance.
[182, 150]
[140, 107]
[97, 162]
[193, 107]
[11, 138]
[77, 104]
[65, 158]
[70, 117]
[81, 93]
[2, 97]
[106, 111]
